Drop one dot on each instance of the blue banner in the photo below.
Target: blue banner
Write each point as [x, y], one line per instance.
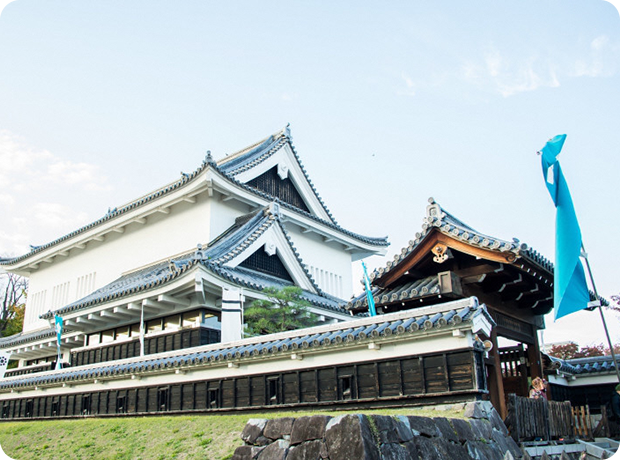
[570, 289]
[58, 323]
[371, 300]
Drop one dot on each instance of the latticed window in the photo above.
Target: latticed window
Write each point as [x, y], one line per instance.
[260, 261]
[269, 182]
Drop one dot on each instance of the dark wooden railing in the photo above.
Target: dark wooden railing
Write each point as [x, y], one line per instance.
[530, 419]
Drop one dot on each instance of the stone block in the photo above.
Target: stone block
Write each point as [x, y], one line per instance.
[463, 430]
[423, 425]
[426, 448]
[386, 428]
[478, 450]
[456, 451]
[278, 428]
[446, 429]
[311, 450]
[403, 429]
[482, 428]
[308, 428]
[396, 452]
[478, 409]
[506, 443]
[253, 430]
[246, 453]
[349, 437]
[274, 451]
[412, 449]
[497, 422]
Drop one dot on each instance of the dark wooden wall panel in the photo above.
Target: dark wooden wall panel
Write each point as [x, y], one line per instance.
[389, 378]
[307, 380]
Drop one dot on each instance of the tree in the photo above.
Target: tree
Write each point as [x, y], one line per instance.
[284, 310]
[565, 351]
[572, 351]
[13, 289]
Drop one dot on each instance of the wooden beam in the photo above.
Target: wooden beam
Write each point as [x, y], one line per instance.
[99, 238]
[96, 318]
[140, 220]
[164, 210]
[122, 311]
[164, 298]
[189, 199]
[119, 229]
[151, 304]
[426, 247]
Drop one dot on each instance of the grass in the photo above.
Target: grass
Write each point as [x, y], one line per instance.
[211, 437]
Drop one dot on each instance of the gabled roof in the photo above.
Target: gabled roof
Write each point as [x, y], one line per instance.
[250, 157]
[439, 219]
[440, 319]
[232, 243]
[228, 168]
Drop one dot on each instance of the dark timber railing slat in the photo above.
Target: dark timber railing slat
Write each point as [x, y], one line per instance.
[530, 419]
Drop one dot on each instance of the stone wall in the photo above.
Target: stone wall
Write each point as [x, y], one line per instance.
[481, 435]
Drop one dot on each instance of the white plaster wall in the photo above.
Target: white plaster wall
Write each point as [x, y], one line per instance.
[161, 237]
[329, 263]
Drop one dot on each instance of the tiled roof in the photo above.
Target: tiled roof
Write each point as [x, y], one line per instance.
[446, 223]
[585, 366]
[250, 157]
[417, 289]
[228, 245]
[350, 333]
[228, 167]
[21, 337]
[375, 241]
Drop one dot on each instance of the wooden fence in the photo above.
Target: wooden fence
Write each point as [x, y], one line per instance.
[530, 419]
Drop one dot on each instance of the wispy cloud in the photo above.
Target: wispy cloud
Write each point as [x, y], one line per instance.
[34, 186]
[409, 89]
[601, 60]
[509, 76]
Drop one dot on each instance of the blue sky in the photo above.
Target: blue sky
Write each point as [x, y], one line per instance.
[389, 103]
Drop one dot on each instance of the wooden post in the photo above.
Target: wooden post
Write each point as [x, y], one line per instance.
[496, 382]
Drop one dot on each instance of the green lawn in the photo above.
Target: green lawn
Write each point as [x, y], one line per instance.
[202, 437]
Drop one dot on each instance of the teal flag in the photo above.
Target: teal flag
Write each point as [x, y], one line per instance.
[371, 300]
[570, 290]
[59, 324]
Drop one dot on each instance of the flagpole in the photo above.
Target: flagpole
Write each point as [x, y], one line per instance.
[600, 309]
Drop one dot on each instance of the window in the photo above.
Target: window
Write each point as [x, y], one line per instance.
[6, 409]
[107, 336]
[55, 406]
[273, 390]
[163, 398]
[153, 325]
[345, 387]
[86, 404]
[121, 404]
[122, 332]
[172, 323]
[191, 318]
[213, 398]
[134, 330]
[29, 412]
[94, 339]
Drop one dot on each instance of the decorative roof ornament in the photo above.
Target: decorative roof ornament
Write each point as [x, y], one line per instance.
[209, 159]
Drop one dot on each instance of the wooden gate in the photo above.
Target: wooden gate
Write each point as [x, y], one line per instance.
[514, 370]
